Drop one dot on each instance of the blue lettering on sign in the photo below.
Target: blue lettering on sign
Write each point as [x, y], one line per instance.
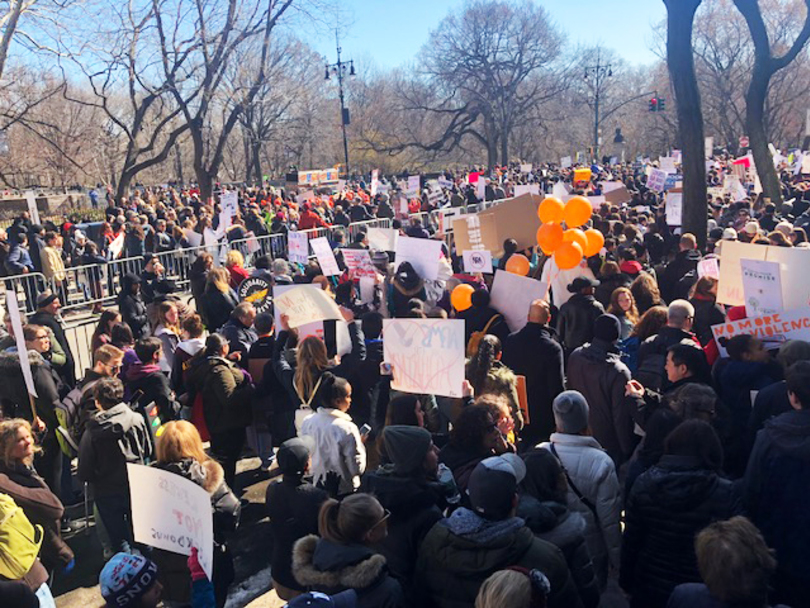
[672, 179]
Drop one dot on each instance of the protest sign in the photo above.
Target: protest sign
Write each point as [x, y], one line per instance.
[382, 239]
[252, 244]
[674, 208]
[444, 182]
[560, 191]
[762, 287]
[708, 268]
[774, 330]
[326, 258]
[172, 513]
[512, 295]
[513, 218]
[298, 248]
[229, 203]
[478, 261]
[117, 245]
[375, 182]
[565, 162]
[13, 309]
[256, 290]
[527, 168]
[305, 196]
[412, 187]
[611, 186]
[657, 180]
[667, 164]
[427, 355]
[674, 180]
[423, 254]
[527, 189]
[31, 202]
[596, 201]
[210, 237]
[446, 218]
[708, 146]
[435, 197]
[306, 304]
[359, 262]
[481, 188]
[618, 196]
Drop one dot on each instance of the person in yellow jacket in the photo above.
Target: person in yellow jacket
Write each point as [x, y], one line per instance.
[52, 265]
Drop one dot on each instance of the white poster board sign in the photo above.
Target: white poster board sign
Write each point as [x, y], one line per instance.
[326, 258]
[762, 287]
[674, 208]
[298, 247]
[527, 189]
[13, 308]
[512, 296]
[359, 262]
[229, 203]
[413, 187]
[382, 239]
[375, 182]
[423, 254]
[708, 268]
[774, 330]
[565, 162]
[303, 305]
[481, 188]
[527, 168]
[172, 513]
[479, 260]
[31, 202]
[657, 180]
[667, 164]
[117, 244]
[427, 355]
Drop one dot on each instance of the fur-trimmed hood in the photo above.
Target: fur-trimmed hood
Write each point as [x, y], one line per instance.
[10, 359]
[328, 566]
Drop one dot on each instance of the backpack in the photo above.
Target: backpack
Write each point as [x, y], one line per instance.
[69, 416]
[20, 540]
[477, 336]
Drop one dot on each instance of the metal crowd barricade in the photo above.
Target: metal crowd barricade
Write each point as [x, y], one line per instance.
[27, 287]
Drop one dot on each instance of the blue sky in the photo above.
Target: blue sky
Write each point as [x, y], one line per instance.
[391, 32]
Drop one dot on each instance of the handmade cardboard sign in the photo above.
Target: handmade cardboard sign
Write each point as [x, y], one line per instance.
[306, 304]
[326, 258]
[423, 254]
[512, 296]
[478, 260]
[298, 247]
[762, 287]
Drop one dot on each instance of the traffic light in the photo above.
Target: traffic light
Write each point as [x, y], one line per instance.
[654, 104]
[662, 104]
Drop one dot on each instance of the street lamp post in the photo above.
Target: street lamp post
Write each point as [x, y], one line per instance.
[340, 68]
[601, 72]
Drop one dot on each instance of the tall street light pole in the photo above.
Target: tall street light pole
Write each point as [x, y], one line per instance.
[601, 72]
[340, 69]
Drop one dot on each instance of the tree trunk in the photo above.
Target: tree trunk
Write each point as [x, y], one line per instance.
[755, 123]
[205, 182]
[680, 19]
[505, 146]
[257, 162]
[124, 180]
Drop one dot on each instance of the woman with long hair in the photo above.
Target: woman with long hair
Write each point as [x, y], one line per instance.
[235, 263]
[648, 325]
[102, 334]
[707, 313]
[180, 451]
[219, 299]
[342, 557]
[198, 276]
[168, 330]
[623, 307]
[645, 292]
[488, 375]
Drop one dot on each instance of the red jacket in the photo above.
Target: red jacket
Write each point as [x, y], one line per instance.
[309, 219]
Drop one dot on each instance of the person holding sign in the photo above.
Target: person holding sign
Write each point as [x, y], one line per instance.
[180, 451]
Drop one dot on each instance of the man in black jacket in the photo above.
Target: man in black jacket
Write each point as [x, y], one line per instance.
[239, 331]
[685, 260]
[534, 352]
[578, 314]
[47, 315]
[482, 317]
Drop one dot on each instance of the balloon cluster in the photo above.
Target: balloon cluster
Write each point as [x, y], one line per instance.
[567, 246]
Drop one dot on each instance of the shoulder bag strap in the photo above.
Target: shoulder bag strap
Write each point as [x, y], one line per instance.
[573, 486]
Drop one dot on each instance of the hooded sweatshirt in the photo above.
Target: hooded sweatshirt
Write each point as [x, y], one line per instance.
[113, 438]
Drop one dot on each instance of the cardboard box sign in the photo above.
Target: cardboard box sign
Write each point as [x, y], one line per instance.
[515, 218]
[618, 196]
[582, 175]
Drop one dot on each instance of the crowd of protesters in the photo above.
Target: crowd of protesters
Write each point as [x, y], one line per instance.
[648, 456]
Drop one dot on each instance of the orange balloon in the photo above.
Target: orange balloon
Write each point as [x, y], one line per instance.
[596, 241]
[518, 264]
[575, 235]
[551, 210]
[578, 210]
[549, 237]
[568, 255]
[461, 297]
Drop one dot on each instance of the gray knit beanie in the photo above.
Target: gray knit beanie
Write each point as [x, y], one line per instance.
[570, 412]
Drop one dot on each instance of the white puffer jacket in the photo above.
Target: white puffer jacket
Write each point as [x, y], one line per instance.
[594, 474]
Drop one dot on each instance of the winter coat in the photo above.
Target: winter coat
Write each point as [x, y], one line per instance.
[776, 495]
[668, 505]
[52, 265]
[707, 313]
[575, 324]
[370, 390]
[684, 262]
[113, 438]
[339, 448]
[173, 572]
[155, 387]
[226, 393]
[293, 508]
[415, 506]
[596, 371]
[771, 401]
[461, 552]
[534, 352]
[461, 462]
[218, 307]
[697, 595]
[18, 260]
[476, 319]
[14, 398]
[182, 362]
[239, 337]
[67, 371]
[133, 311]
[593, 472]
[554, 523]
[197, 281]
[41, 506]
[321, 565]
[652, 356]
[169, 341]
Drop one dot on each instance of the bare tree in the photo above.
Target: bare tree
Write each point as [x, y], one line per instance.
[767, 62]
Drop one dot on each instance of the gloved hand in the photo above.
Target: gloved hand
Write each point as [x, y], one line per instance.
[69, 566]
[197, 572]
